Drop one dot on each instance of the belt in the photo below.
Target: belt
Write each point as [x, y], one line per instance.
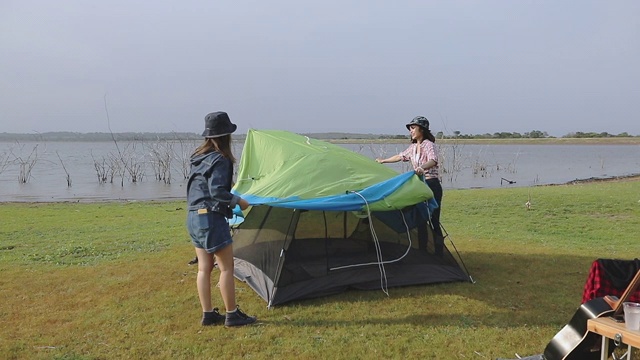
[198, 206]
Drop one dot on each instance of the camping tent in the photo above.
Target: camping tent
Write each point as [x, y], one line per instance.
[324, 219]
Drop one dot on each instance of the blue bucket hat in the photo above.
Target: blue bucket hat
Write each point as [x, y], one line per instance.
[420, 121]
[218, 124]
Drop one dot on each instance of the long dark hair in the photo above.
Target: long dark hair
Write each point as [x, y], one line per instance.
[220, 144]
[426, 133]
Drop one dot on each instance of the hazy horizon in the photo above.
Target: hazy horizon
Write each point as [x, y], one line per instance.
[364, 67]
[333, 134]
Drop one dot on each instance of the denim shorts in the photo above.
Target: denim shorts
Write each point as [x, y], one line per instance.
[209, 231]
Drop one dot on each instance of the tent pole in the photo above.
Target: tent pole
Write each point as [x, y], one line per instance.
[264, 220]
[283, 252]
[447, 236]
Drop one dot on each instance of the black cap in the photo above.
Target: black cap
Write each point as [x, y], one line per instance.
[420, 121]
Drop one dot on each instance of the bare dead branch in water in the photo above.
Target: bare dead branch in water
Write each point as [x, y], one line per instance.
[183, 156]
[106, 109]
[4, 160]
[133, 165]
[100, 168]
[117, 165]
[135, 170]
[65, 170]
[161, 156]
[507, 181]
[26, 165]
[377, 151]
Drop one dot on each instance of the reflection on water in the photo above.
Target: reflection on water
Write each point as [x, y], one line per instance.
[462, 166]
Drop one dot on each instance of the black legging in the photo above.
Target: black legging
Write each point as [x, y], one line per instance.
[436, 188]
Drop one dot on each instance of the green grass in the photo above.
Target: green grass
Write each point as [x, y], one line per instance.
[111, 281]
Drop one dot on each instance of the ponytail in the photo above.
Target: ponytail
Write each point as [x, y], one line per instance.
[429, 136]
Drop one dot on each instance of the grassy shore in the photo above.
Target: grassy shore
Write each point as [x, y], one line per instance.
[111, 281]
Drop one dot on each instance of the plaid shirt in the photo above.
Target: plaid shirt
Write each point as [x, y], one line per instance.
[604, 279]
[419, 154]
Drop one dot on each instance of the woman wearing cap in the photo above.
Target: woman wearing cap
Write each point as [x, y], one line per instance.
[423, 154]
[209, 204]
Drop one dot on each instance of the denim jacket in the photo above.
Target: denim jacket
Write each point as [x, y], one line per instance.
[210, 182]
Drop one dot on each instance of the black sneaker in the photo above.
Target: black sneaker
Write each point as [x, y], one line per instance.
[238, 318]
[212, 317]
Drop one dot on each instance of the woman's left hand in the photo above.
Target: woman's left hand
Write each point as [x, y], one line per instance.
[419, 171]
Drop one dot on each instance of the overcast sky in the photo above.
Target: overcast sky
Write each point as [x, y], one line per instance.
[320, 66]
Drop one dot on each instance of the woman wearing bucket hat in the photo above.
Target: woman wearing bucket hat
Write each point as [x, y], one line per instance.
[209, 204]
[423, 154]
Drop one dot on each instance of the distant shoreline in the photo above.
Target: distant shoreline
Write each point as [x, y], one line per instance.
[522, 141]
[336, 138]
[633, 177]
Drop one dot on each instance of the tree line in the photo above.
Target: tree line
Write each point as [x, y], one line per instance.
[99, 136]
[535, 134]
[164, 136]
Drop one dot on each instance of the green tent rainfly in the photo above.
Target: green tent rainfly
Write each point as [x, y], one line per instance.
[283, 169]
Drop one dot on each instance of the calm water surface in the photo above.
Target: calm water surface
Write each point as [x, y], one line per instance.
[463, 166]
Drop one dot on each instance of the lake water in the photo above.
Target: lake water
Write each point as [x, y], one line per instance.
[464, 166]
